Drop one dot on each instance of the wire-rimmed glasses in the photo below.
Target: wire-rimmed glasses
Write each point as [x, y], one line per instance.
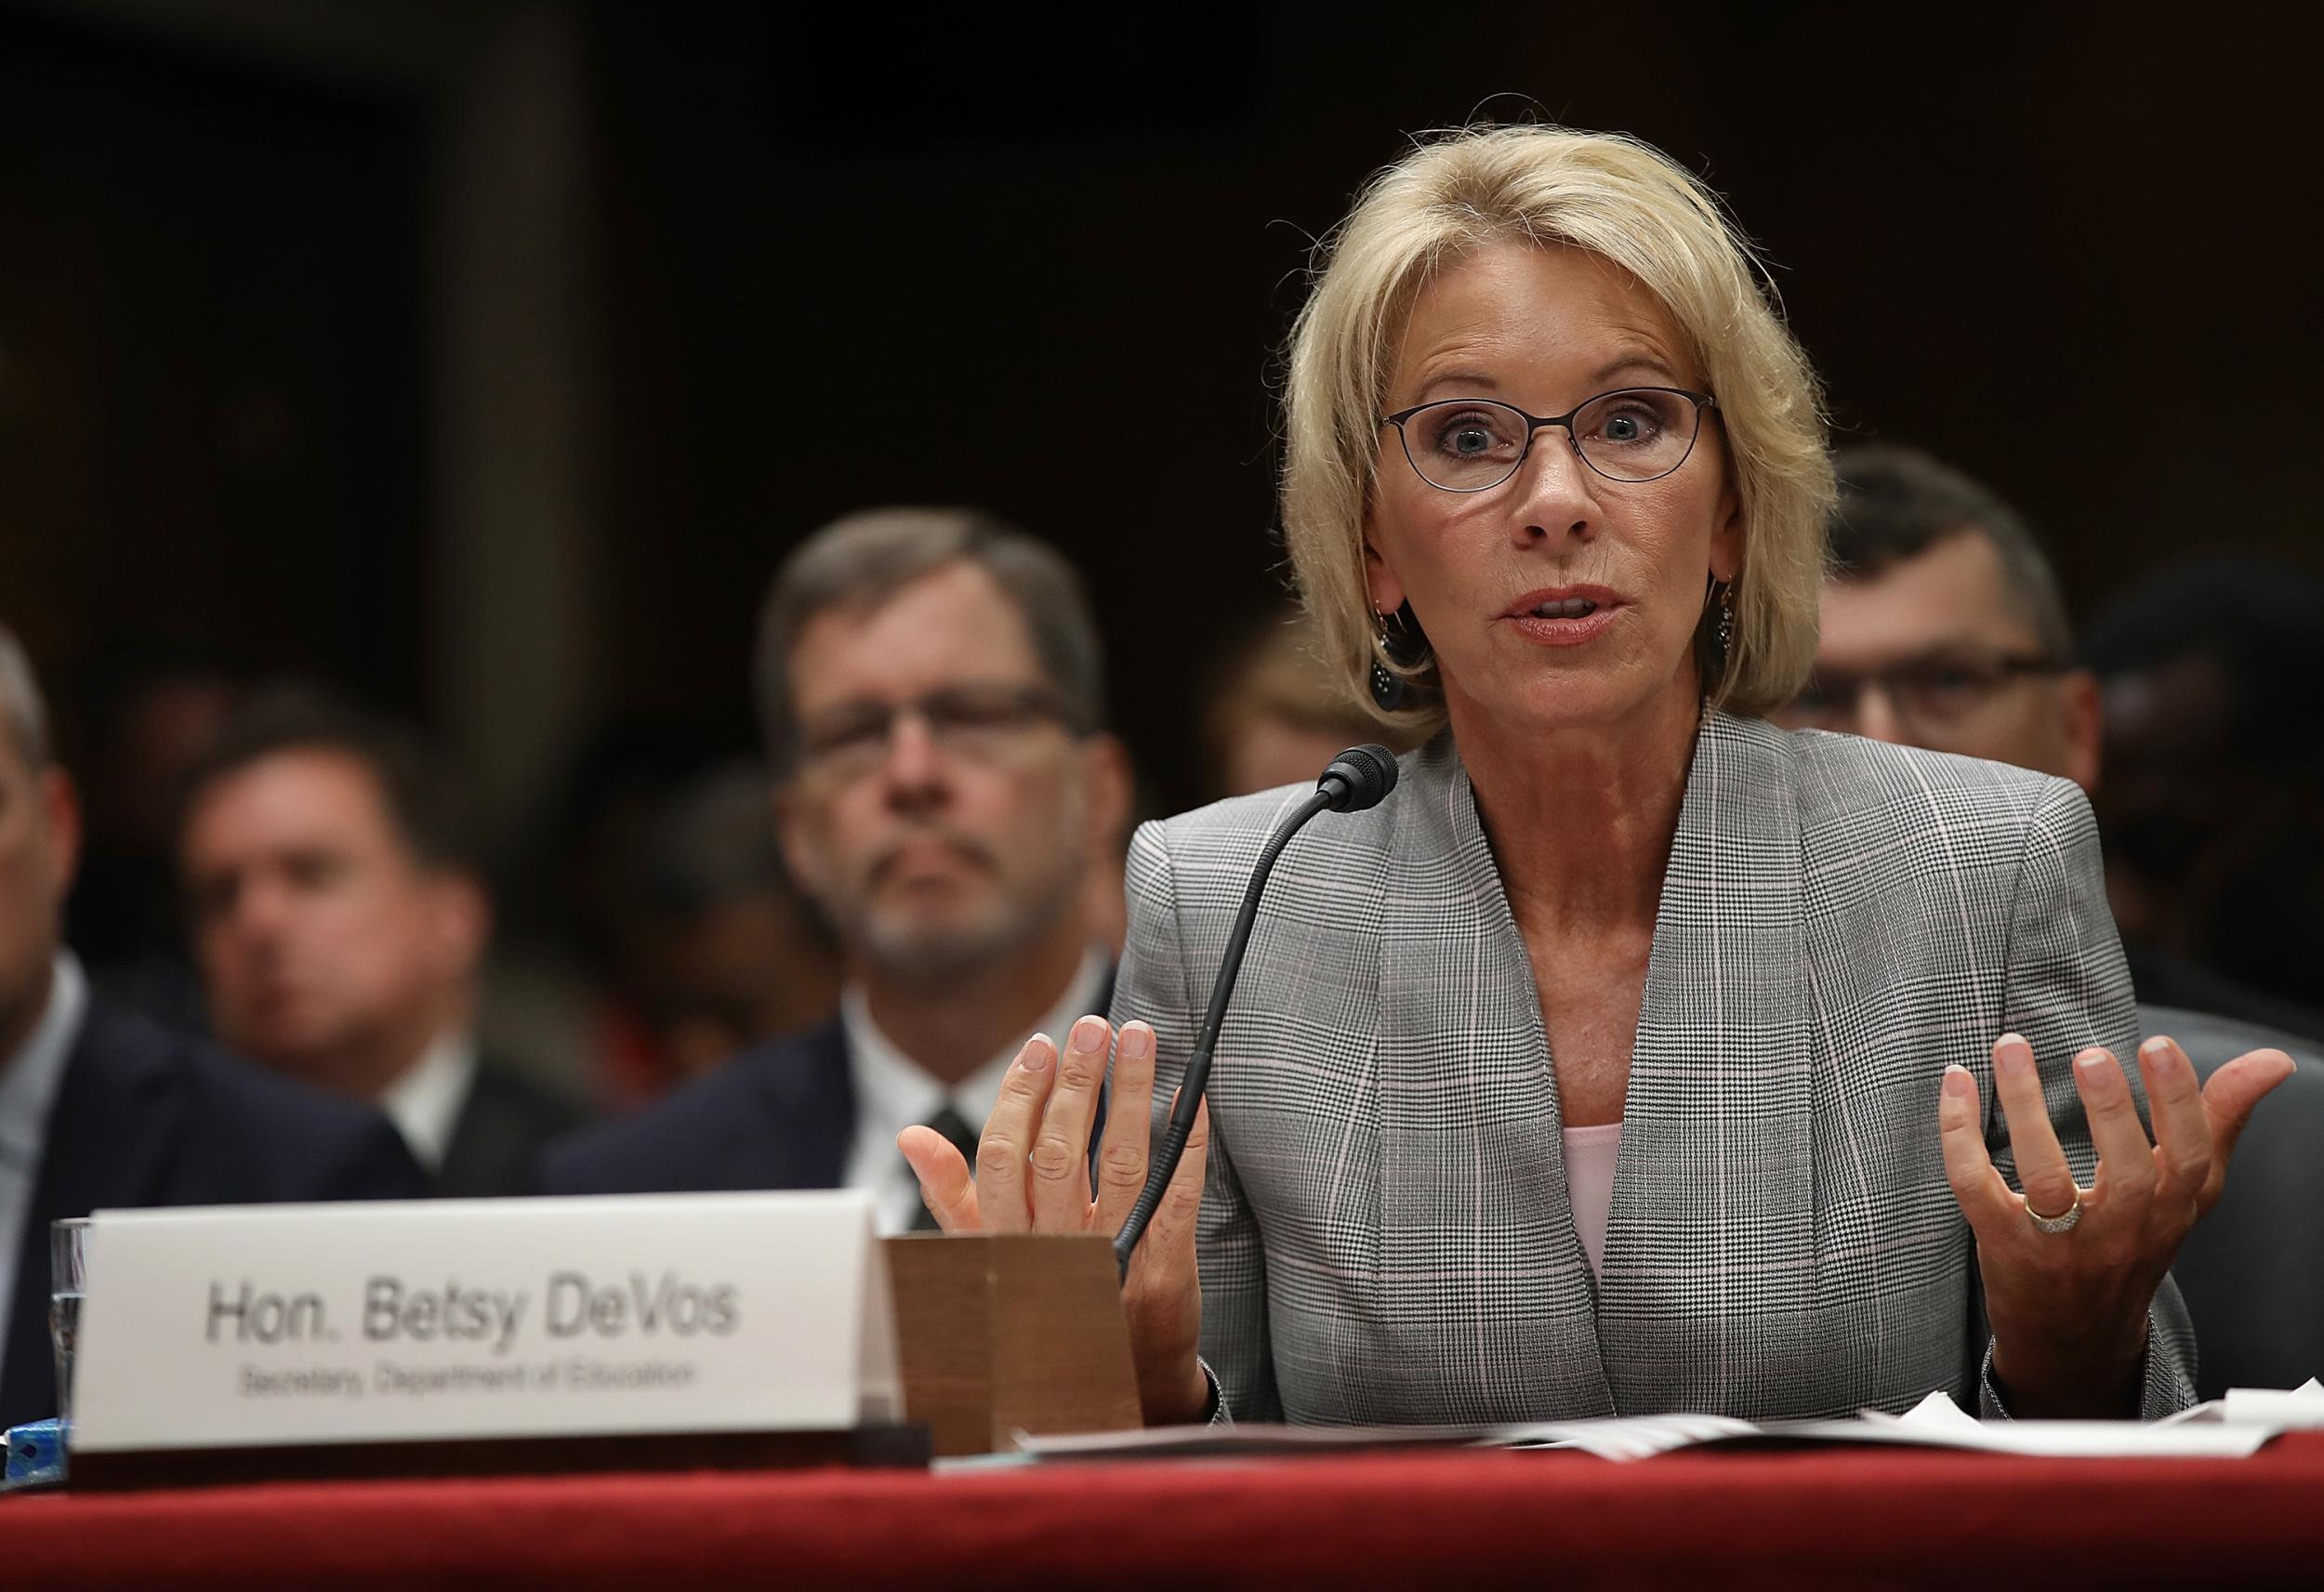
[1473, 445]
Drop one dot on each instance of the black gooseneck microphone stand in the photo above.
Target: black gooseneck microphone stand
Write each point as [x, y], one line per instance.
[1358, 778]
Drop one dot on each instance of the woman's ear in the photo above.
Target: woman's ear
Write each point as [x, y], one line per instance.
[1726, 537]
[1380, 581]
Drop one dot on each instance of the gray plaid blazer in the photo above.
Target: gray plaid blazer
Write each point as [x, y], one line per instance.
[1385, 1235]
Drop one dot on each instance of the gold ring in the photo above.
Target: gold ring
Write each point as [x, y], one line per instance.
[2063, 1222]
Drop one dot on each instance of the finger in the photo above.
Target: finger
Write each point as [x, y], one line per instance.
[1008, 1138]
[2042, 1173]
[2126, 1161]
[1061, 1146]
[2231, 1094]
[945, 1187]
[1129, 1130]
[2183, 1139]
[1984, 1198]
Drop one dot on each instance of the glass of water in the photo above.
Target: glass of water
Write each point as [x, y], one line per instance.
[68, 1276]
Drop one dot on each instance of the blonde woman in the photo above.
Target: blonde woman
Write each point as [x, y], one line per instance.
[1636, 1055]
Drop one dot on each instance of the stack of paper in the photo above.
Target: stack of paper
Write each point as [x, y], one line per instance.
[2233, 1428]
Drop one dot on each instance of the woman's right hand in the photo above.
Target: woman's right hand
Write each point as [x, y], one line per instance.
[1032, 1176]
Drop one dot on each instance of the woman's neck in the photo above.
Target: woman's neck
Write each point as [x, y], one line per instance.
[1581, 819]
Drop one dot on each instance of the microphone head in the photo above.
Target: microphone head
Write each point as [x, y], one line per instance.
[1358, 778]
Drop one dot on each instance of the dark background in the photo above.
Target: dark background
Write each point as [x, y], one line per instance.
[486, 357]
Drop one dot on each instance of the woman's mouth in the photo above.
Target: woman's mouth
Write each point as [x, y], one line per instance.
[1563, 618]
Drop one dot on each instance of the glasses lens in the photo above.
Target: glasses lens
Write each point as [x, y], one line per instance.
[1638, 434]
[1465, 445]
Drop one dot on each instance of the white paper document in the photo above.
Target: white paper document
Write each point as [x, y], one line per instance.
[1935, 1422]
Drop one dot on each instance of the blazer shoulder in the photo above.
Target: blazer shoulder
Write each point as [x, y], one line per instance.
[248, 1134]
[1847, 785]
[767, 1118]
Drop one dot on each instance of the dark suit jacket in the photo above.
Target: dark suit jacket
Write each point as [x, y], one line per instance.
[504, 1124]
[781, 1116]
[147, 1117]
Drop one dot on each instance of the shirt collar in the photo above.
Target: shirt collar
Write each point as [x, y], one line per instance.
[30, 1080]
[893, 1088]
[425, 1103]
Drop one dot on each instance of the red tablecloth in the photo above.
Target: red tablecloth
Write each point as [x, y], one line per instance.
[1438, 1521]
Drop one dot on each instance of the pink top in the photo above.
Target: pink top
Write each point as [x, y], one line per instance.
[1590, 1154]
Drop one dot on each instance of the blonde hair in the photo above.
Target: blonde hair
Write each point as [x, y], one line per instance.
[1611, 196]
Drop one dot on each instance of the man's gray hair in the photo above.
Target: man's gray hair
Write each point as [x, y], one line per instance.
[22, 714]
[865, 559]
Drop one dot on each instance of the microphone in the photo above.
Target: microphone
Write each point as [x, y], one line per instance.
[1358, 778]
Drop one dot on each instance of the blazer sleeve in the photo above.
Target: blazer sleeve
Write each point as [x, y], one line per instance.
[2068, 989]
[1157, 985]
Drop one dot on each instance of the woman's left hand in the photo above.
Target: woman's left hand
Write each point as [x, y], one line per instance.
[2068, 1308]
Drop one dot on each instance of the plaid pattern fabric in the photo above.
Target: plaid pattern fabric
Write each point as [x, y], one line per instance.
[1385, 1234]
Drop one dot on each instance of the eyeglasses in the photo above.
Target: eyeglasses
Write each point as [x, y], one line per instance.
[1473, 444]
[976, 723]
[1928, 694]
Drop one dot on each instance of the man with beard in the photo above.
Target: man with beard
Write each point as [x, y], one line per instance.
[932, 687]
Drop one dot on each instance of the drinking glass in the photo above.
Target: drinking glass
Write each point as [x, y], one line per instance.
[68, 1274]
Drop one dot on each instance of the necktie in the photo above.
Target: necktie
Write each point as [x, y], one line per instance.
[962, 1137]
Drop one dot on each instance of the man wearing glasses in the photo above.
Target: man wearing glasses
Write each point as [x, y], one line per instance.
[1942, 626]
[931, 689]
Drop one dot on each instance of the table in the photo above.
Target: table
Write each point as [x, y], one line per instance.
[1438, 1521]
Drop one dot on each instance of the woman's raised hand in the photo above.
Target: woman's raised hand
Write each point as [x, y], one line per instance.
[1032, 1176]
[2068, 1271]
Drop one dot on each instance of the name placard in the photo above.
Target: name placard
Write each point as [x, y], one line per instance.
[451, 1319]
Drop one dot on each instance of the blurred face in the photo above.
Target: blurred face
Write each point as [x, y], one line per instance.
[942, 816]
[327, 950]
[1269, 751]
[39, 841]
[1558, 597]
[1933, 652]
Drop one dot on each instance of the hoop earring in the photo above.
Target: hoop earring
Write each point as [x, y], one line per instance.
[1405, 647]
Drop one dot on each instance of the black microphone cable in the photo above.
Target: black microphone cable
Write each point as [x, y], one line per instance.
[1358, 778]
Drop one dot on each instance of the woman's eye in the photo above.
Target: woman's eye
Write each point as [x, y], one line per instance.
[1631, 425]
[1470, 437]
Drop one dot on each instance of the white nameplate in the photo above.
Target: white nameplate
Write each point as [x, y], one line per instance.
[266, 1326]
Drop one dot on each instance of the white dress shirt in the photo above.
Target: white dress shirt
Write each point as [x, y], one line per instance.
[28, 1090]
[893, 1092]
[425, 1103]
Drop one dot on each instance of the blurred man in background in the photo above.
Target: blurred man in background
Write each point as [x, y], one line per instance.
[148, 713]
[2213, 806]
[1942, 626]
[1277, 714]
[932, 690]
[726, 952]
[339, 926]
[101, 1109]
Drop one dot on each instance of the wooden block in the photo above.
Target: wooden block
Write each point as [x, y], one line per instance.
[1001, 1333]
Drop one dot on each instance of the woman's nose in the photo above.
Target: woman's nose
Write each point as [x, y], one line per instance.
[1556, 496]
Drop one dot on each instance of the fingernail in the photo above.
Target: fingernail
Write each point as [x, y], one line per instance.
[2014, 1056]
[1137, 1041]
[1959, 1084]
[1034, 1057]
[1089, 1035]
[2092, 1066]
[2158, 1047]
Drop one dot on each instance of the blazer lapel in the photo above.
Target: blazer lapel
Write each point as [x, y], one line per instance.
[807, 1120]
[1710, 1257]
[1481, 1269]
